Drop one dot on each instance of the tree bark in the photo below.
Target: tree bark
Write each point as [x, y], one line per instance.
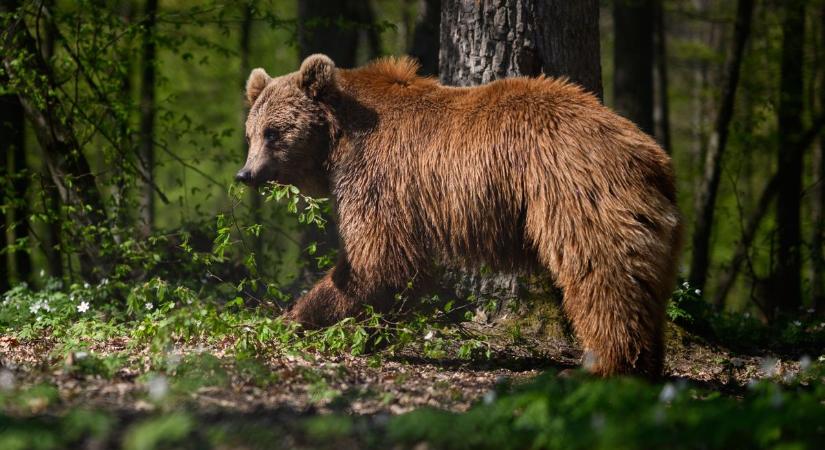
[788, 261]
[484, 40]
[661, 114]
[147, 117]
[633, 22]
[709, 186]
[425, 38]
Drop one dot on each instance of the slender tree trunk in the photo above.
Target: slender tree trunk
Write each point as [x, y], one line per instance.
[244, 48]
[147, 117]
[633, 22]
[425, 38]
[788, 263]
[818, 207]
[485, 40]
[4, 171]
[706, 196]
[51, 196]
[661, 113]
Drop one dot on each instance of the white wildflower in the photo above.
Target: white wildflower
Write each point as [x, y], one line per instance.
[81, 355]
[158, 387]
[668, 393]
[83, 307]
[149, 306]
[429, 335]
[489, 397]
[6, 380]
[86, 286]
[804, 362]
[42, 273]
[797, 323]
[698, 291]
[104, 282]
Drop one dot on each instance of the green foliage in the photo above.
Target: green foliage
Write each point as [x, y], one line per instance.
[566, 413]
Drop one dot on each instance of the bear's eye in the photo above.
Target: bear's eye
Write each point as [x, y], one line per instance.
[270, 134]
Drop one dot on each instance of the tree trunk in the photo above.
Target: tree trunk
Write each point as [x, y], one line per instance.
[244, 48]
[51, 197]
[818, 207]
[484, 40]
[633, 22]
[147, 117]
[334, 28]
[706, 196]
[425, 38]
[788, 262]
[661, 113]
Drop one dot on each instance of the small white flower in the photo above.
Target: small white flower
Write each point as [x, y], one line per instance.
[158, 387]
[104, 282]
[34, 308]
[149, 306]
[429, 335]
[698, 291]
[85, 285]
[83, 307]
[668, 393]
[804, 362]
[81, 355]
[42, 273]
[797, 323]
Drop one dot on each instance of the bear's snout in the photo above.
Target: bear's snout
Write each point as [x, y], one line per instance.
[244, 176]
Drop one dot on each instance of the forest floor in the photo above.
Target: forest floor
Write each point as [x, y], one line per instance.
[296, 400]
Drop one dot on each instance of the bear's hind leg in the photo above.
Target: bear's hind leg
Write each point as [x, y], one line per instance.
[619, 321]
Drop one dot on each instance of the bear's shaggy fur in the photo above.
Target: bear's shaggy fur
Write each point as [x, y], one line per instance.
[517, 173]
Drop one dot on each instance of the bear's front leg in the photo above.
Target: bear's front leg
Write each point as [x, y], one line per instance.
[326, 303]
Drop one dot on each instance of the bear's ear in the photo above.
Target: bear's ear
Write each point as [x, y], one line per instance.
[256, 83]
[317, 76]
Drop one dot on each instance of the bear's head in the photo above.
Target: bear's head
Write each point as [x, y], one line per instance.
[288, 128]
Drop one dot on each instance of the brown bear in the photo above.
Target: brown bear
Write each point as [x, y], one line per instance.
[517, 173]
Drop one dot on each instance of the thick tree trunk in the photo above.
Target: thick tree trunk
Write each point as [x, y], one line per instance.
[706, 195]
[425, 38]
[633, 22]
[661, 112]
[484, 40]
[788, 262]
[147, 117]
